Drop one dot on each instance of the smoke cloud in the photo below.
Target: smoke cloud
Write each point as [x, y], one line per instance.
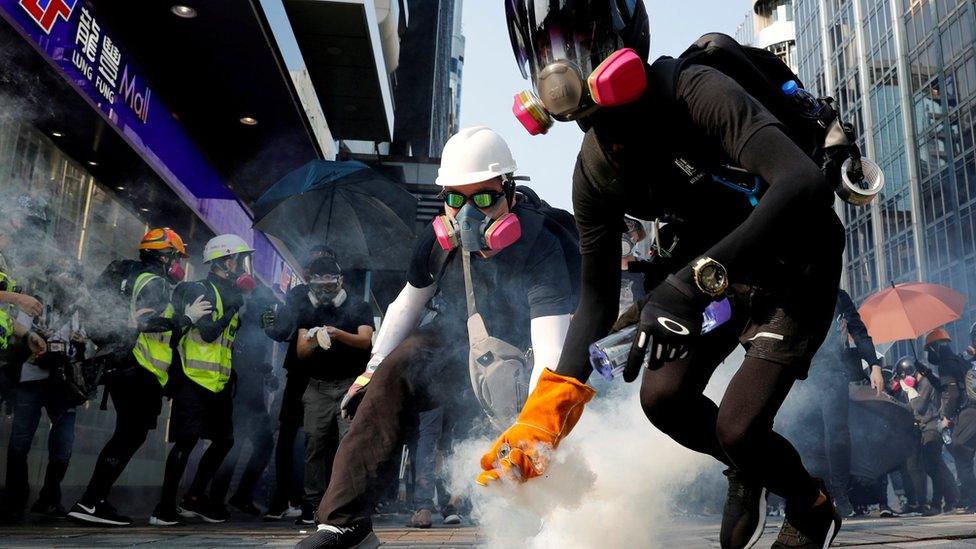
[611, 484]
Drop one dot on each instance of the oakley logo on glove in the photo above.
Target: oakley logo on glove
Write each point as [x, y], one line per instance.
[673, 326]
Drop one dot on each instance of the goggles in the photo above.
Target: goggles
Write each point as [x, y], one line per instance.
[481, 199]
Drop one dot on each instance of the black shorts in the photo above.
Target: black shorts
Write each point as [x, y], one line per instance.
[137, 397]
[201, 413]
[786, 327]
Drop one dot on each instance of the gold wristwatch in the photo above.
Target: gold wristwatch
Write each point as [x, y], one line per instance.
[711, 277]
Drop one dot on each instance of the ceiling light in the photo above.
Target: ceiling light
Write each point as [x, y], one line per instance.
[186, 12]
[143, 209]
[248, 121]
[120, 188]
[57, 134]
[92, 163]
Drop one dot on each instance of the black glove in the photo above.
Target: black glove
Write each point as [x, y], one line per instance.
[268, 318]
[671, 317]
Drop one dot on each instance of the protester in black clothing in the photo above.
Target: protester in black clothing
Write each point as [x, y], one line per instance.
[824, 400]
[252, 421]
[661, 156]
[281, 324]
[923, 391]
[136, 330]
[956, 376]
[203, 395]
[522, 291]
[334, 339]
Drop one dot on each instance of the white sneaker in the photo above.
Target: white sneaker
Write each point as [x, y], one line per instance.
[293, 512]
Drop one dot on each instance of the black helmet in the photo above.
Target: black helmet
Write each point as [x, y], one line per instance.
[584, 32]
[906, 366]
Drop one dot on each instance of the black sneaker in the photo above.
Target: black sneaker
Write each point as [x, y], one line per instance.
[196, 506]
[307, 517]
[885, 512]
[358, 535]
[49, 510]
[166, 516]
[274, 513]
[245, 506]
[744, 516]
[101, 513]
[812, 528]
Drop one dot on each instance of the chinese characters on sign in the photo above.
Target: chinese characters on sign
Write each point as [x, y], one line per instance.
[98, 58]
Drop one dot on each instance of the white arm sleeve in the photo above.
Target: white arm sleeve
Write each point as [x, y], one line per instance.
[402, 316]
[548, 336]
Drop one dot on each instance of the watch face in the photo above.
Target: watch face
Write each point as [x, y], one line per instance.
[712, 277]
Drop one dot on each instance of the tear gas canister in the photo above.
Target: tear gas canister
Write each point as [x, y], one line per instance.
[608, 356]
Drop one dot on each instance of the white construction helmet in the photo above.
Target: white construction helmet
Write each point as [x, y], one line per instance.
[224, 245]
[474, 155]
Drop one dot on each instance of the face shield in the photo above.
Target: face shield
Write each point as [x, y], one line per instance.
[325, 288]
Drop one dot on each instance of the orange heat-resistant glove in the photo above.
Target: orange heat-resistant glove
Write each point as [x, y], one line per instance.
[550, 413]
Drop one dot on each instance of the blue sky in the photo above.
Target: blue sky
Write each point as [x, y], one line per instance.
[491, 78]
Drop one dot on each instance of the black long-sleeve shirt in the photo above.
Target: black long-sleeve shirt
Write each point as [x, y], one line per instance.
[834, 353]
[637, 160]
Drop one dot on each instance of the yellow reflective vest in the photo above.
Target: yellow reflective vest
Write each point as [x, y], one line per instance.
[152, 351]
[6, 312]
[209, 364]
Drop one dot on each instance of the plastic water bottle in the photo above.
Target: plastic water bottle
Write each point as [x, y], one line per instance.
[809, 105]
[608, 356]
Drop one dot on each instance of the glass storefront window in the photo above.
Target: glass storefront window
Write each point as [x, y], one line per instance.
[85, 221]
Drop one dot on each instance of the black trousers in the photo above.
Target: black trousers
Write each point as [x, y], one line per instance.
[935, 468]
[963, 455]
[822, 433]
[289, 479]
[739, 433]
[137, 399]
[418, 376]
[252, 424]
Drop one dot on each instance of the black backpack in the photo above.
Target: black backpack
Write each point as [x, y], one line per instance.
[762, 74]
[563, 225]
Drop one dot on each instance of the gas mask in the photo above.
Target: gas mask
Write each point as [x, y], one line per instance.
[565, 95]
[476, 232]
[578, 56]
[326, 290]
[241, 272]
[174, 269]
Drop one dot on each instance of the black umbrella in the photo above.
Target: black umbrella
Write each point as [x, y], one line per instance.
[883, 433]
[361, 215]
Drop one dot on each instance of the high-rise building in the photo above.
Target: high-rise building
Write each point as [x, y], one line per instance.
[770, 25]
[904, 73]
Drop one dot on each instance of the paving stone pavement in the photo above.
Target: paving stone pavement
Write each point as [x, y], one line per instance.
[943, 532]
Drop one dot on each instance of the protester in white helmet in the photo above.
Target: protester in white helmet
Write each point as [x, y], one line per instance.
[203, 391]
[518, 274]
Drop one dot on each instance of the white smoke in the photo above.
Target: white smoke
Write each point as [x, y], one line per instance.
[612, 483]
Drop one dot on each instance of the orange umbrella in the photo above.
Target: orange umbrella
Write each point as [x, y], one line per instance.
[908, 311]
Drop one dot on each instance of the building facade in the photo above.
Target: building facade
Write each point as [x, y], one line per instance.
[904, 73]
[770, 25]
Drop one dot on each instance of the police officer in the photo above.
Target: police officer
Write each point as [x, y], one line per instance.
[135, 325]
[203, 400]
[658, 144]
